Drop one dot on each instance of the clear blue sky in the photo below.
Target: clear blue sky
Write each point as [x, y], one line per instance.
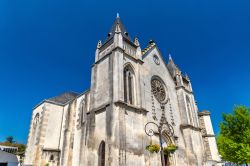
[47, 47]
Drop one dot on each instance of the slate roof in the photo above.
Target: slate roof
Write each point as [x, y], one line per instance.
[64, 98]
[124, 32]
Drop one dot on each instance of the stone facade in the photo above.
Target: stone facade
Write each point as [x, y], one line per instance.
[106, 124]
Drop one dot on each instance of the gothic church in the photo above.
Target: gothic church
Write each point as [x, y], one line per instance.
[133, 93]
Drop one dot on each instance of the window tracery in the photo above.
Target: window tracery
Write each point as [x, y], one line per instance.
[129, 79]
[158, 90]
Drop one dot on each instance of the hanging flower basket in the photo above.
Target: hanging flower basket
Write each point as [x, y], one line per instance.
[171, 148]
[153, 148]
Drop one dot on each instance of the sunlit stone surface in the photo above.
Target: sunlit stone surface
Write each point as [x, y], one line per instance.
[105, 124]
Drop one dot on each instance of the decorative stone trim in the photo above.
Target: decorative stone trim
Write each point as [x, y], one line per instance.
[135, 59]
[99, 108]
[130, 56]
[204, 113]
[51, 150]
[184, 88]
[185, 126]
[138, 109]
[208, 135]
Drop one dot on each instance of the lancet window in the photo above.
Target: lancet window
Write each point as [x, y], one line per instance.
[129, 79]
[189, 110]
[101, 154]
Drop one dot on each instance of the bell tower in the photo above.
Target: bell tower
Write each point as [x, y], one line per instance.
[111, 56]
[115, 95]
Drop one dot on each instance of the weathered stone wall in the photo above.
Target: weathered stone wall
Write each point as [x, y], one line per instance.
[68, 134]
[75, 132]
[33, 136]
[172, 112]
[54, 124]
[212, 155]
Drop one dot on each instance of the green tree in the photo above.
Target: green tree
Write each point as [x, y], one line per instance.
[10, 139]
[10, 142]
[234, 138]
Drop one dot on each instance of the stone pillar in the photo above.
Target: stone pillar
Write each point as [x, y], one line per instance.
[212, 155]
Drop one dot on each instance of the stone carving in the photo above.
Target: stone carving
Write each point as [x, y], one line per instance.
[153, 106]
[158, 90]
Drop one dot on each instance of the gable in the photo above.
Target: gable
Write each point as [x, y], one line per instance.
[156, 65]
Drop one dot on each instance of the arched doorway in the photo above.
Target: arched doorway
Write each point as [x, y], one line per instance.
[101, 154]
[166, 140]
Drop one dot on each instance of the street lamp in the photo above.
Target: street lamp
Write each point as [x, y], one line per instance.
[163, 126]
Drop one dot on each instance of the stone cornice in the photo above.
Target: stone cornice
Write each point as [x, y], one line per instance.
[50, 149]
[98, 109]
[135, 59]
[138, 109]
[188, 126]
[130, 56]
[123, 51]
[184, 88]
[208, 135]
[204, 113]
[121, 103]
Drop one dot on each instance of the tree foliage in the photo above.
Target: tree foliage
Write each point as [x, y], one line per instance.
[234, 138]
[10, 139]
[10, 142]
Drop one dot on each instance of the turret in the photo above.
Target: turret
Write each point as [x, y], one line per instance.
[138, 48]
[181, 80]
[99, 44]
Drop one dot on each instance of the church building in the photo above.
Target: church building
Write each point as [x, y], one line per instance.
[138, 105]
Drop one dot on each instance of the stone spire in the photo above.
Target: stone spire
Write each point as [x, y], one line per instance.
[170, 57]
[172, 66]
[118, 27]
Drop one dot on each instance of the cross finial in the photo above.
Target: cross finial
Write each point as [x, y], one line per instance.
[169, 57]
[117, 15]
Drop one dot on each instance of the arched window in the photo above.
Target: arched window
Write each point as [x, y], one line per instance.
[36, 119]
[51, 158]
[101, 154]
[128, 78]
[189, 109]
